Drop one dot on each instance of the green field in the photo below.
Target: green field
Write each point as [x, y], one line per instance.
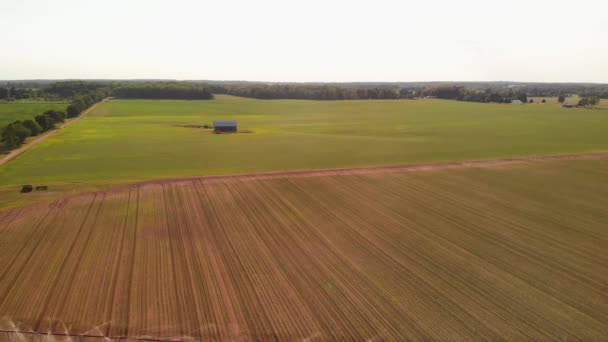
[139, 139]
[573, 100]
[11, 111]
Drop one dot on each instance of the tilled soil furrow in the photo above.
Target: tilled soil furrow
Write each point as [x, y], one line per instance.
[480, 251]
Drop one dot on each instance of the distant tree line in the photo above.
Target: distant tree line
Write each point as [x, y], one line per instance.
[460, 93]
[306, 92]
[163, 90]
[552, 90]
[494, 94]
[320, 92]
[19, 90]
[464, 91]
[406, 89]
[64, 90]
[13, 93]
[49, 89]
[73, 89]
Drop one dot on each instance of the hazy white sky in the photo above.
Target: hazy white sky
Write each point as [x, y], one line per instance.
[325, 40]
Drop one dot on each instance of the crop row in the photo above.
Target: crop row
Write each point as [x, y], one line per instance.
[455, 254]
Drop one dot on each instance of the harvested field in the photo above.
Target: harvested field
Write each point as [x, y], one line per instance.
[513, 252]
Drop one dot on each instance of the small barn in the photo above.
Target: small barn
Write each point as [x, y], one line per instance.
[516, 102]
[224, 126]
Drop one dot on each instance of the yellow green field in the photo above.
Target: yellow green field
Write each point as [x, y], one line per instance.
[19, 110]
[573, 100]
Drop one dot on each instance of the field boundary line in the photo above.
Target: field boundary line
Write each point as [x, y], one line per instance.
[395, 168]
[42, 137]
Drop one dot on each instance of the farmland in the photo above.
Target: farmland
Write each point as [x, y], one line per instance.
[131, 140]
[500, 252]
[11, 111]
[572, 100]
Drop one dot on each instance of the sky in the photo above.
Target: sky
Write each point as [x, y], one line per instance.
[306, 41]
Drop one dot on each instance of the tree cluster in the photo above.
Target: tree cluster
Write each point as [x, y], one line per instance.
[589, 102]
[164, 90]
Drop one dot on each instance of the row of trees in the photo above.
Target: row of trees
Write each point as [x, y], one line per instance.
[15, 133]
[164, 90]
[82, 102]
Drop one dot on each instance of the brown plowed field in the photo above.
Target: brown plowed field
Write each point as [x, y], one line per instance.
[516, 252]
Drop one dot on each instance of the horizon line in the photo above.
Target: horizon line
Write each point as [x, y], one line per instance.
[290, 82]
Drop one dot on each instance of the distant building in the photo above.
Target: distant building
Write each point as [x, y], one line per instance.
[517, 102]
[223, 126]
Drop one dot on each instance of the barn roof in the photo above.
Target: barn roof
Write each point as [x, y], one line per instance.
[224, 123]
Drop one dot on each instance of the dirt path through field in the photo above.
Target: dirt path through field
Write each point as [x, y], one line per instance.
[17, 152]
[385, 168]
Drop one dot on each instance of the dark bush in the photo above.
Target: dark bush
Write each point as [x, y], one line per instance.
[34, 127]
